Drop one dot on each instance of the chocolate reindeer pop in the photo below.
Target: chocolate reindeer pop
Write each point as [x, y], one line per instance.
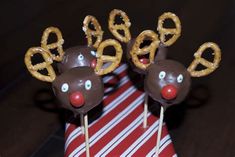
[141, 54]
[168, 81]
[83, 55]
[138, 55]
[79, 89]
[144, 58]
[76, 57]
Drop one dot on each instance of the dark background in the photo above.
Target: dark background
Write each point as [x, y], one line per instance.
[202, 126]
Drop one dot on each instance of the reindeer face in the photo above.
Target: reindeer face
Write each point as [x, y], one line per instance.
[76, 57]
[79, 89]
[167, 82]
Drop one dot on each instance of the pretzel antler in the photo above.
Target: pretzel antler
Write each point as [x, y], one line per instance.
[34, 69]
[101, 59]
[151, 49]
[166, 31]
[57, 45]
[98, 33]
[210, 66]
[124, 26]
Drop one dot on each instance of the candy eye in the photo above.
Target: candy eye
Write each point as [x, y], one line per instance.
[93, 53]
[162, 75]
[88, 85]
[180, 78]
[80, 57]
[65, 87]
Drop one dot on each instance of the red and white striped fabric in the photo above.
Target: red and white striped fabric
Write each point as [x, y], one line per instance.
[119, 131]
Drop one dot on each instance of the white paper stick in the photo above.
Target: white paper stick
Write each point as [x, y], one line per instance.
[86, 136]
[82, 123]
[159, 131]
[145, 110]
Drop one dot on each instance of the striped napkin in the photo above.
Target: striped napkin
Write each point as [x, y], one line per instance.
[118, 131]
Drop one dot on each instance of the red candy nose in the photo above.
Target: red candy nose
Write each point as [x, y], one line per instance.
[169, 92]
[77, 99]
[93, 63]
[144, 61]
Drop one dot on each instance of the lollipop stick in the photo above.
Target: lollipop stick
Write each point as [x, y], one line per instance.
[145, 110]
[159, 131]
[82, 124]
[86, 135]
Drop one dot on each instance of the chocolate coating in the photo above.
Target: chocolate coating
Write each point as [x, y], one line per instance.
[175, 74]
[129, 47]
[76, 57]
[161, 53]
[79, 79]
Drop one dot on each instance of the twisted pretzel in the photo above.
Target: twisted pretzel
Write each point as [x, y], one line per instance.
[151, 49]
[166, 31]
[115, 27]
[98, 33]
[101, 59]
[210, 66]
[33, 69]
[57, 45]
